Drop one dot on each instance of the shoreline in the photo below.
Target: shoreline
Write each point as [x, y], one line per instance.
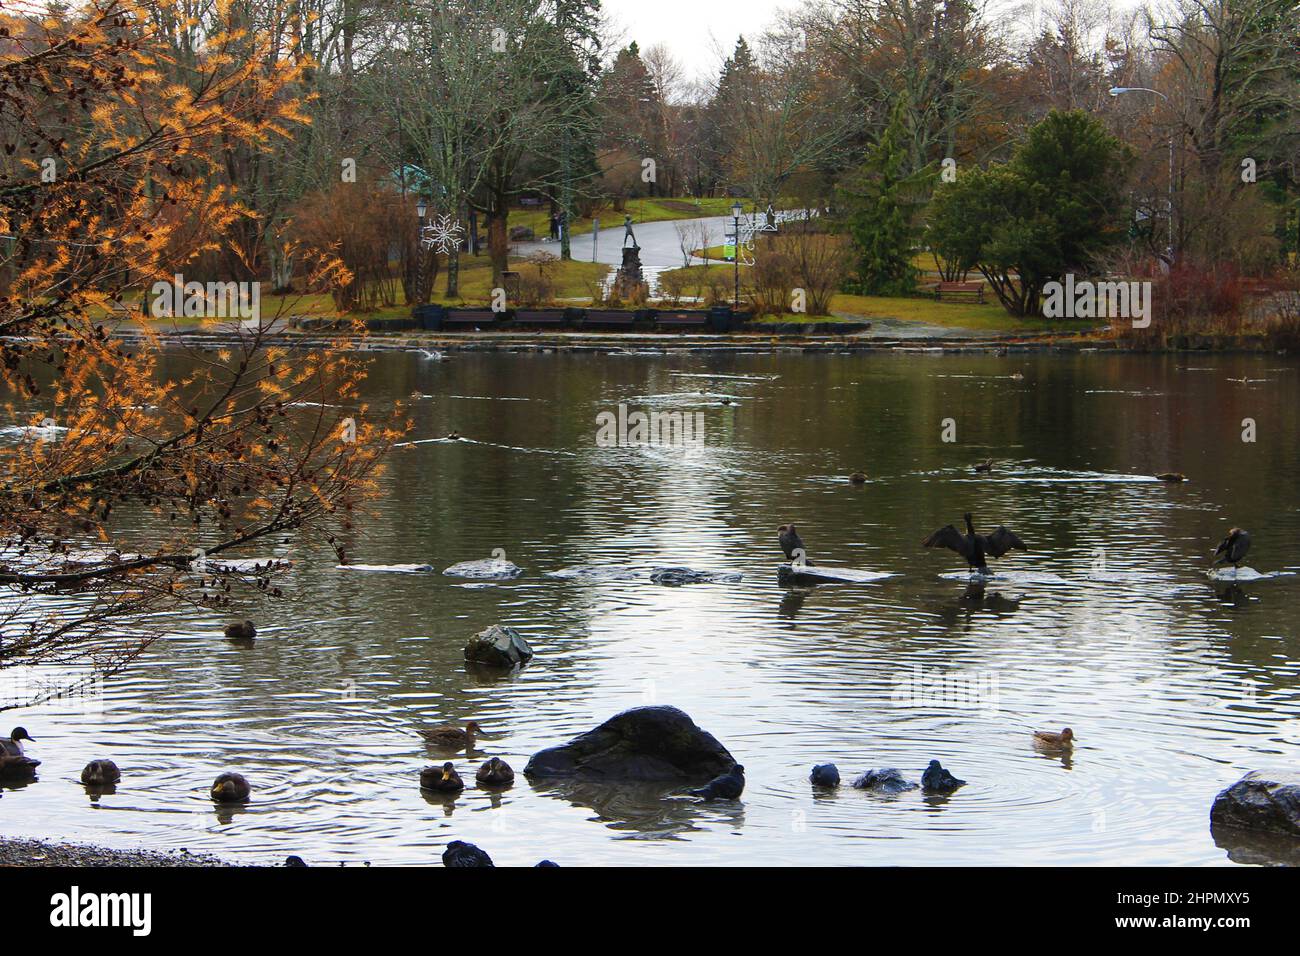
[22, 852]
[669, 343]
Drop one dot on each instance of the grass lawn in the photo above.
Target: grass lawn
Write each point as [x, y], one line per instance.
[989, 317]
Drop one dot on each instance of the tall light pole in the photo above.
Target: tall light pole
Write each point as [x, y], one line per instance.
[421, 207]
[1118, 90]
[736, 210]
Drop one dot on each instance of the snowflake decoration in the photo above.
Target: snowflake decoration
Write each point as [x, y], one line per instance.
[442, 235]
[745, 243]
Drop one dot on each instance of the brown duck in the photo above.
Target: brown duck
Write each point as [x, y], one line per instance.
[1062, 741]
[453, 737]
[443, 779]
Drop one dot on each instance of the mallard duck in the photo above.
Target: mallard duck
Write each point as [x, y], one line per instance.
[985, 465]
[241, 631]
[858, 478]
[230, 788]
[449, 736]
[495, 772]
[1231, 550]
[1062, 741]
[13, 762]
[443, 779]
[1171, 476]
[12, 746]
[100, 773]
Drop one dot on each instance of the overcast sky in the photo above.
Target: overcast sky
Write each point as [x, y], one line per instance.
[691, 28]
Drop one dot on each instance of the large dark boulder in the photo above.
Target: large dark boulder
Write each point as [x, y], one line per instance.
[1261, 801]
[498, 646]
[644, 743]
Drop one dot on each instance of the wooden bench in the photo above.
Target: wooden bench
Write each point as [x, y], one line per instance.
[959, 289]
[682, 320]
[542, 318]
[469, 318]
[609, 319]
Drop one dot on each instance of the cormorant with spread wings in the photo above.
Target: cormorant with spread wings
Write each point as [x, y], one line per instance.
[973, 547]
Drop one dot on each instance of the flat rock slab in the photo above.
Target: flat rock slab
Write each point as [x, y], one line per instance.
[596, 573]
[388, 568]
[489, 569]
[1261, 801]
[498, 646]
[817, 574]
[676, 576]
[641, 744]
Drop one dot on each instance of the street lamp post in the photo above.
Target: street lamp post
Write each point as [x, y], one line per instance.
[1118, 90]
[736, 210]
[420, 209]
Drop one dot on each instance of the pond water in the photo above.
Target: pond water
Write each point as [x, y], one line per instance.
[1174, 684]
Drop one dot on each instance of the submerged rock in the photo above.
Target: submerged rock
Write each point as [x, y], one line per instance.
[825, 775]
[937, 780]
[387, 568]
[491, 569]
[787, 574]
[1261, 801]
[675, 576]
[596, 573]
[498, 646]
[641, 744]
[887, 780]
[460, 853]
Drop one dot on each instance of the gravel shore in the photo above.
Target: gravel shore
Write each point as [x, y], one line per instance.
[16, 852]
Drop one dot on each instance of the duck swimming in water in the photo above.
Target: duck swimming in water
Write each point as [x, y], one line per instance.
[1232, 549]
[454, 737]
[973, 547]
[13, 762]
[1171, 476]
[443, 779]
[791, 542]
[100, 773]
[230, 788]
[495, 772]
[984, 466]
[858, 478]
[12, 746]
[1050, 741]
[241, 631]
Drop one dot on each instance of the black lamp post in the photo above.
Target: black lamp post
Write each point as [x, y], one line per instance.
[421, 207]
[736, 210]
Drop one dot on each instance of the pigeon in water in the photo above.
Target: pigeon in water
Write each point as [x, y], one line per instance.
[825, 775]
[729, 786]
[460, 853]
[937, 780]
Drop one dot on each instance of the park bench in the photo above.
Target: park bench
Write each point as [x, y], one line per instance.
[469, 319]
[959, 289]
[682, 320]
[541, 318]
[609, 319]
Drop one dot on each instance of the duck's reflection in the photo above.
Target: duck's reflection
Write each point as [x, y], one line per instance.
[644, 810]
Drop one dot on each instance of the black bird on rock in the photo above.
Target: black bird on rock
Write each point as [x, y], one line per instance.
[791, 542]
[973, 547]
[1232, 549]
[729, 786]
[460, 853]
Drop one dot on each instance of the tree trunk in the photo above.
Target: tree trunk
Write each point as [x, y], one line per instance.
[498, 243]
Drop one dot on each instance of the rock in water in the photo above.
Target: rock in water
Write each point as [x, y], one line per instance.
[294, 861]
[498, 646]
[887, 780]
[937, 780]
[728, 786]
[460, 853]
[100, 773]
[644, 743]
[494, 569]
[677, 576]
[825, 775]
[1261, 801]
[547, 863]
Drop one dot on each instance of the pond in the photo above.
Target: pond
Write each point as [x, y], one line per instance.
[1174, 684]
